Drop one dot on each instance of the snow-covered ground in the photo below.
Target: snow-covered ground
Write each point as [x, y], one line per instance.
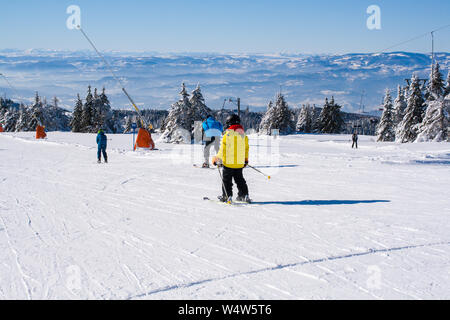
[332, 223]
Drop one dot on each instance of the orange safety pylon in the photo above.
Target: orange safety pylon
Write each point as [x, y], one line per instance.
[144, 140]
[40, 132]
[1, 128]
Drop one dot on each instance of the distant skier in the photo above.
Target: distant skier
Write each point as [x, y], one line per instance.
[355, 140]
[211, 133]
[233, 156]
[102, 144]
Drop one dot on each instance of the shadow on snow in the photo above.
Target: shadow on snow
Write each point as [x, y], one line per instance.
[321, 202]
[280, 166]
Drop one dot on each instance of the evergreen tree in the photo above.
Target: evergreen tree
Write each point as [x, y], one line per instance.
[447, 86]
[23, 120]
[435, 87]
[385, 129]
[330, 119]
[10, 120]
[37, 116]
[285, 118]
[128, 124]
[87, 114]
[199, 109]
[408, 128]
[305, 120]
[104, 98]
[267, 124]
[107, 114]
[97, 117]
[277, 116]
[435, 124]
[399, 106]
[178, 126]
[77, 116]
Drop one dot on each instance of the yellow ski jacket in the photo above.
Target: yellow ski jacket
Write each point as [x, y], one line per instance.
[234, 148]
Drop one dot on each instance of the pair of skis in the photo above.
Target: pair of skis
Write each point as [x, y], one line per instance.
[230, 203]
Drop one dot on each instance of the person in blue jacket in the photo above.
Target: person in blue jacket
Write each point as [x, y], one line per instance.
[211, 131]
[102, 144]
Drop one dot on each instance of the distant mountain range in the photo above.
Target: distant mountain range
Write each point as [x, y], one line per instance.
[154, 79]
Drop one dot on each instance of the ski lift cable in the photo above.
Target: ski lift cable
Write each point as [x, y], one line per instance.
[12, 88]
[114, 76]
[414, 38]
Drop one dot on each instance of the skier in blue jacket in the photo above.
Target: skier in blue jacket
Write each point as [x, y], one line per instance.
[102, 144]
[212, 131]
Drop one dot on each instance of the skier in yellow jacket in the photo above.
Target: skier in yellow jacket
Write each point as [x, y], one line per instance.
[233, 156]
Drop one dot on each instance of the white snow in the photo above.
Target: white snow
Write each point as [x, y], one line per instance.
[332, 223]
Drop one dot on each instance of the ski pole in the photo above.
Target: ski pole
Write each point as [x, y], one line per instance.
[223, 185]
[259, 171]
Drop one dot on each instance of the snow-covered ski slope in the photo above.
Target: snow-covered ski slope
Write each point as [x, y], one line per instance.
[332, 223]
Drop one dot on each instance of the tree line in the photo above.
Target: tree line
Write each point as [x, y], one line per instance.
[419, 113]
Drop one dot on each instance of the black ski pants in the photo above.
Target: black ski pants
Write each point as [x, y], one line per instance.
[237, 174]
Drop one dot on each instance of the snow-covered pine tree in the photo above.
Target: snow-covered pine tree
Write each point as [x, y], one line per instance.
[408, 128]
[177, 126]
[128, 123]
[37, 116]
[22, 120]
[386, 128]
[447, 86]
[399, 106]
[277, 116]
[97, 117]
[435, 87]
[10, 120]
[267, 123]
[108, 112]
[305, 121]
[88, 112]
[104, 98]
[330, 119]
[435, 124]
[77, 116]
[285, 120]
[199, 110]
[315, 116]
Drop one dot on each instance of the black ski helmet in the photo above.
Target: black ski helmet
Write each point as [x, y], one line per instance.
[232, 120]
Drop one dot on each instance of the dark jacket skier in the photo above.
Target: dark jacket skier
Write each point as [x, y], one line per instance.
[355, 140]
[233, 156]
[102, 142]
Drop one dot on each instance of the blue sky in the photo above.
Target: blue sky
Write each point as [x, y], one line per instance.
[249, 26]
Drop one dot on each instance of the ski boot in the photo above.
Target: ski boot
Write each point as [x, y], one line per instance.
[205, 165]
[224, 199]
[99, 161]
[244, 199]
